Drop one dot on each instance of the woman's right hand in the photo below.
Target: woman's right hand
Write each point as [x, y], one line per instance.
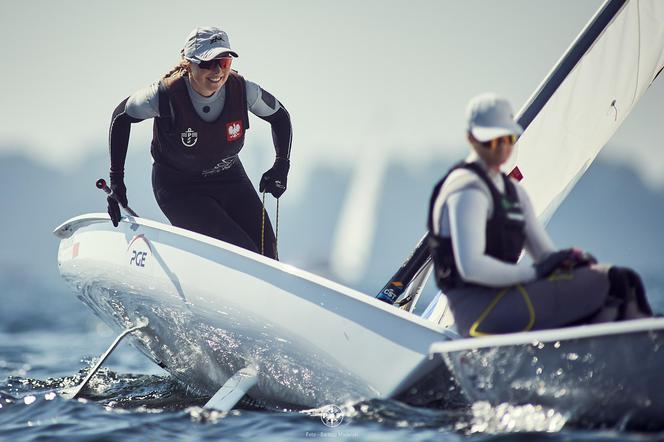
[117, 197]
[552, 262]
[566, 258]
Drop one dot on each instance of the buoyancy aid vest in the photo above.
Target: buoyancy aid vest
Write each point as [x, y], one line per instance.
[185, 143]
[505, 230]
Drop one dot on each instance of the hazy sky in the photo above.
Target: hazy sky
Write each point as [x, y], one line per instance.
[360, 78]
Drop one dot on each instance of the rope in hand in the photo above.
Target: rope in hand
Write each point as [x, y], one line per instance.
[263, 228]
[276, 234]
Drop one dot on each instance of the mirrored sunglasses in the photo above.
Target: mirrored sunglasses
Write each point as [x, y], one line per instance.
[223, 62]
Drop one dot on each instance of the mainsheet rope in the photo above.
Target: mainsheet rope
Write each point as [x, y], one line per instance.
[276, 234]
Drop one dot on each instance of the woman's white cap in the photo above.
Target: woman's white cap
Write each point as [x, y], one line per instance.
[206, 43]
[490, 116]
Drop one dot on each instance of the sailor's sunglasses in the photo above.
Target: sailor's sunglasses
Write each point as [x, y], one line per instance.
[505, 139]
[223, 62]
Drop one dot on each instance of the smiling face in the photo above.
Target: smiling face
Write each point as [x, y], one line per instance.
[208, 81]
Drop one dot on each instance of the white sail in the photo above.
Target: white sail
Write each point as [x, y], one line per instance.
[586, 97]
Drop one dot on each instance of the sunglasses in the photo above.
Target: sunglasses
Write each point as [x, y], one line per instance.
[505, 139]
[224, 63]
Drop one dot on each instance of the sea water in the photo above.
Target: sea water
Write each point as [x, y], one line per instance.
[48, 339]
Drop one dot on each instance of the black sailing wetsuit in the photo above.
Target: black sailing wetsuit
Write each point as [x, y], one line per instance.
[198, 179]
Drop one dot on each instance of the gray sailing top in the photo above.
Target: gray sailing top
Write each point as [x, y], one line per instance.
[144, 103]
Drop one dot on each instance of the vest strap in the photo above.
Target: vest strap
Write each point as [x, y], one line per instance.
[164, 102]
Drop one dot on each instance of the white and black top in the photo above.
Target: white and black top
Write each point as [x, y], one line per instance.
[461, 211]
[145, 103]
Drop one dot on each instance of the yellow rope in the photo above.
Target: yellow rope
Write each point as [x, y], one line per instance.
[561, 275]
[529, 304]
[473, 329]
[263, 228]
[531, 311]
[276, 235]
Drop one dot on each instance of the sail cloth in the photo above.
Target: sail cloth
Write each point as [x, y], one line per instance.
[586, 97]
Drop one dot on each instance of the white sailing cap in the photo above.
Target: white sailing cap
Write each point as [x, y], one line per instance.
[490, 116]
[205, 43]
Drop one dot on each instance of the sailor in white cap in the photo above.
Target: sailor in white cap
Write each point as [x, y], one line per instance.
[480, 220]
[200, 111]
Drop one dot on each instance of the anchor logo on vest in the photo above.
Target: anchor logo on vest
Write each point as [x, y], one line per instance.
[189, 137]
[233, 130]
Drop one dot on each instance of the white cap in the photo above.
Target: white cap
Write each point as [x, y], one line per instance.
[490, 116]
[205, 43]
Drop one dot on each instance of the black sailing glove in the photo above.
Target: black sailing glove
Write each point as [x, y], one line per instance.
[274, 180]
[582, 258]
[566, 258]
[118, 195]
[553, 261]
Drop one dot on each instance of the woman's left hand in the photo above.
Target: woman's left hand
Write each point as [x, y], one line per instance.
[274, 180]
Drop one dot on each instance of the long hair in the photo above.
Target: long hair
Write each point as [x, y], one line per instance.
[179, 69]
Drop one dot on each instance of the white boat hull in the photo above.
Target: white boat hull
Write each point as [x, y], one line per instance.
[214, 309]
[599, 374]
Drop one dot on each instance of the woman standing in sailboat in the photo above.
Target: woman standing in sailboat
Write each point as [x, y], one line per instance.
[200, 111]
[479, 222]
